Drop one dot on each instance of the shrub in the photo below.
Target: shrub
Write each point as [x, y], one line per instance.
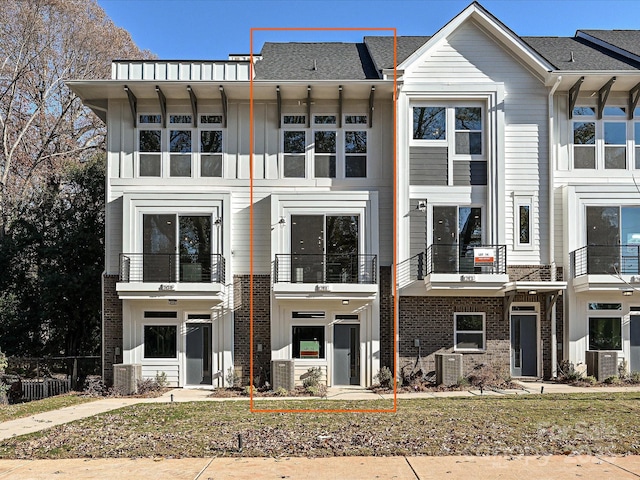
[567, 372]
[232, 378]
[248, 390]
[161, 379]
[463, 382]
[94, 386]
[281, 392]
[489, 375]
[622, 369]
[385, 377]
[612, 380]
[634, 377]
[590, 379]
[319, 390]
[312, 378]
[151, 385]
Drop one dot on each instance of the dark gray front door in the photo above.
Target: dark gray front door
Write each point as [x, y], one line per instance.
[634, 344]
[198, 353]
[524, 346]
[346, 354]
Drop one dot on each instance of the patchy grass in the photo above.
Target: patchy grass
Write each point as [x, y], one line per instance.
[11, 412]
[599, 423]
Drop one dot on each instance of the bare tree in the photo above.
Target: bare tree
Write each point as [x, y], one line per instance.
[42, 123]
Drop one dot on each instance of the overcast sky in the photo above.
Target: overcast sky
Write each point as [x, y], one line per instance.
[211, 29]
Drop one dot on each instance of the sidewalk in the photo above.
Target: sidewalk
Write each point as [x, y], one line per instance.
[478, 468]
[42, 421]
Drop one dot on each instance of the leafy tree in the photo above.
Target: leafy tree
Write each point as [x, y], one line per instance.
[53, 297]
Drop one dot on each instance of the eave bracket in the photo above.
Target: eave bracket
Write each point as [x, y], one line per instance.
[225, 106]
[603, 95]
[194, 105]
[573, 95]
[163, 106]
[634, 95]
[373, 90]
[133, 104]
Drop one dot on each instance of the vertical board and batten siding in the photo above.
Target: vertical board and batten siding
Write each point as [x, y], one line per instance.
[240, 233]
[428, 166]
[180, 70]
[417, 232]
[471, 55]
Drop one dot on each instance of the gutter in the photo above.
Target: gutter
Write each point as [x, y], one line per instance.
[551, 159]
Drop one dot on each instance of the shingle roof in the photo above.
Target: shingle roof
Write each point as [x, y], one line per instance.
[586, 56]
[381, 49]
[315, 61]
[628, 40]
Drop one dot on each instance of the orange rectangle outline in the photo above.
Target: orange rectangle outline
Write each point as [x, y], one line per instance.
[251, 223]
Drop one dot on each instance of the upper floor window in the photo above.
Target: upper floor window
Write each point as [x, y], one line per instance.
[333, 152]
[601, 143]
[174, 151]
[430, 125]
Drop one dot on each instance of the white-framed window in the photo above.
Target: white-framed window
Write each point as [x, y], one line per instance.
[160, 335]
[605, 326]
[459, 127]
[355, 146]
[602, 143]
[324, 146]
[523, 221]
[469, 331]
[180, 145]
[294, 146]
[149, 145]
[211, 145]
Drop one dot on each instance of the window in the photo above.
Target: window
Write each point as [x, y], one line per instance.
[355, 149]
[180, 153]
[324, 146]
[605, 333]
[211, 153]
[613, 239]
[600, 143]
[160, 341]
[308, 341]
[294, 153]
[150, 153]
[429, 123]
[468, 130]
[469, 331]
[523, 213]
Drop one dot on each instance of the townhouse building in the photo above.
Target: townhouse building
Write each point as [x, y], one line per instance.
[504, 165]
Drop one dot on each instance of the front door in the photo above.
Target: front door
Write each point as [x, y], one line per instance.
[456, 232]
[634, 343]
[346, 354]
[524, 345]
[198, 353]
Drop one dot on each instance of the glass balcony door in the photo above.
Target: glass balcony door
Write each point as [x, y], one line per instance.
[324, 248]
[176, 248]
[456, 231]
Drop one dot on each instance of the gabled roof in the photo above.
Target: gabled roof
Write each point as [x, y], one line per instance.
[626, 42]
[315, 61]
[500, 31]
[381, 49]
[572, 53]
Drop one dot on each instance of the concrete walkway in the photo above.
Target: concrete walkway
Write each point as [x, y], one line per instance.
[412, 468]
[42, 421]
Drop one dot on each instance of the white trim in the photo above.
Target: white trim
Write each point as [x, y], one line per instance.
[456, 331]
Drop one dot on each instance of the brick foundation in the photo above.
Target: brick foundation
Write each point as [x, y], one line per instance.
[261, 325]
[111, 327]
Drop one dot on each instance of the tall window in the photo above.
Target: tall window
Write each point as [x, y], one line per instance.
[468, 130]
[324, 146]
[210, 146]
[523, 224]
[150, 145]
[294, 147]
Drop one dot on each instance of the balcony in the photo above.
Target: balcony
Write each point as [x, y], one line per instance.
[170, 275]
[343, 276]
[474, 269]
[605, 267]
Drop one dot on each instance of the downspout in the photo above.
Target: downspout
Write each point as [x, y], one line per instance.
[552, 158]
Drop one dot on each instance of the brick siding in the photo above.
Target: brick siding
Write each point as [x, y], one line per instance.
[111, 327]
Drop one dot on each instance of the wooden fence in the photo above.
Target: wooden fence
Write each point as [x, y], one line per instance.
[48, 387]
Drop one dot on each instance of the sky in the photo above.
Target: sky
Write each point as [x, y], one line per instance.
[212, 29]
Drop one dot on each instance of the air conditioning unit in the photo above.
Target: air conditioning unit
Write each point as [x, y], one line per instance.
[126, 376]
[448, 368]
[602, 364]
[282, 374]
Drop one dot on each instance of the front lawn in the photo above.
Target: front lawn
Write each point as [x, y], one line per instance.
[599, 423]
[19, 410]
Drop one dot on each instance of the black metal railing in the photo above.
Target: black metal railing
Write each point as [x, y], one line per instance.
[606, 260]
[456, 258]
[171, 268]
[318, 268]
